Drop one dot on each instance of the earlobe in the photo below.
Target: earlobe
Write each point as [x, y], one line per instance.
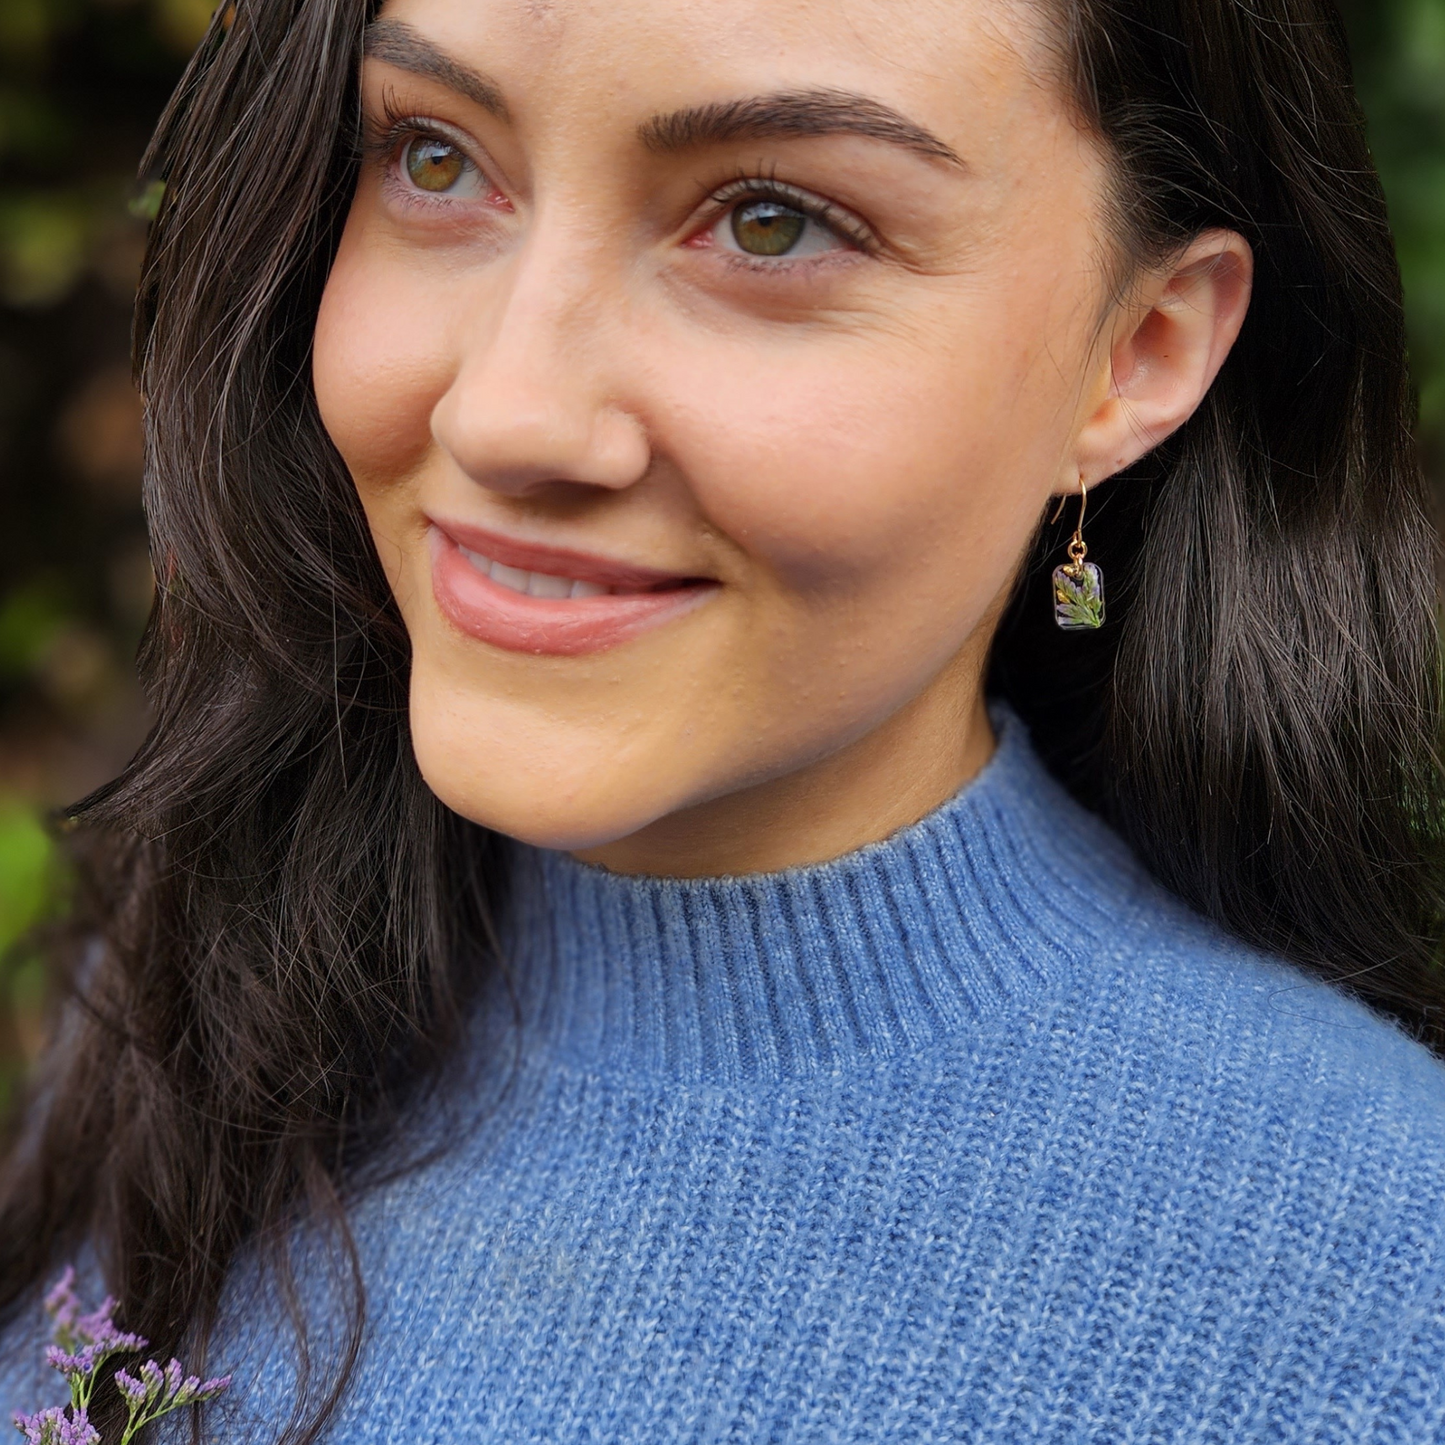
[1165, 350]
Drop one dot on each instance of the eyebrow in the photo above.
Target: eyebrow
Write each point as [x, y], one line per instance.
[396, 43]
[788, 114]
[784, 115]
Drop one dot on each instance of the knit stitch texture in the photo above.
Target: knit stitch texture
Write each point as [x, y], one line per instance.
[972, 1135]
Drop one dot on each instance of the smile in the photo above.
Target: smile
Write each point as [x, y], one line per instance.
[549, 601]
[533, 584]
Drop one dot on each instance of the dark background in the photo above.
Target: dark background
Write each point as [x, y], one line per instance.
[81, 84]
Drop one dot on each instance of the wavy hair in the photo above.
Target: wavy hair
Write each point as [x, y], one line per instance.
[281, 925]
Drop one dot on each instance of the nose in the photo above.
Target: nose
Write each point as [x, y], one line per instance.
[536, 398]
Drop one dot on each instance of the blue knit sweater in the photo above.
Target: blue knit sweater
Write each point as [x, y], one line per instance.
[972, 1135]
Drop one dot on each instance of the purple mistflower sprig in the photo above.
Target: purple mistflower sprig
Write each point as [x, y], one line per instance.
[83, 1343]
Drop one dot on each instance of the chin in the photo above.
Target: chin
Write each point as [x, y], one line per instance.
[530, 820]
[532, 801]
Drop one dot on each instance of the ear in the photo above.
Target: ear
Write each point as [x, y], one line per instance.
[1162, 351]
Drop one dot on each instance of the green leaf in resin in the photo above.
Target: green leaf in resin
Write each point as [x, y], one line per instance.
[1078, 597]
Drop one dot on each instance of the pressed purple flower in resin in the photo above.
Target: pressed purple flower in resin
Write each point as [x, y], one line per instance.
[1078, 596]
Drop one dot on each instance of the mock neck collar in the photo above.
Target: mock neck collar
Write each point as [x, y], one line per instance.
[989, 901]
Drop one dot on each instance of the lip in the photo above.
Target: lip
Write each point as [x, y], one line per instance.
[551, 626]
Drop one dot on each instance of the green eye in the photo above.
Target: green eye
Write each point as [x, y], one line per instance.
[766, 228]
[433, 165]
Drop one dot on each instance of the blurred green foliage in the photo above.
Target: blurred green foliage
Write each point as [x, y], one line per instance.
[81, 84]
[31, 891]
[27, 863]
[1399, 48]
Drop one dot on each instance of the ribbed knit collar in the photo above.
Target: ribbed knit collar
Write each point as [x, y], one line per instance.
[986, 902]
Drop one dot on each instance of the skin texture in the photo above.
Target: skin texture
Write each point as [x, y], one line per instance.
[854, 445]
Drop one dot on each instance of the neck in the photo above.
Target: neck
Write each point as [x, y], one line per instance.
[891, 777]
[988, 900]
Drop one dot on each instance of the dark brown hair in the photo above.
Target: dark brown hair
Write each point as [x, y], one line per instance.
[283, 923]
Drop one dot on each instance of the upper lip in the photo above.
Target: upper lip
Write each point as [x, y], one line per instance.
[559, 561]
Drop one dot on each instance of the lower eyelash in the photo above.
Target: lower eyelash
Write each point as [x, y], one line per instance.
[759, 266]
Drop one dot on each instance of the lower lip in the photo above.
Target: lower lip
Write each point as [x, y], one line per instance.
[547, 626]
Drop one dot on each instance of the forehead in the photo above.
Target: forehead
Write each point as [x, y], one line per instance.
[950, 59]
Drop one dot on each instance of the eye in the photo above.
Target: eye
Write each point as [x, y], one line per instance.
[767, 229]
[782, 225]
[438, 167]
[770, 228]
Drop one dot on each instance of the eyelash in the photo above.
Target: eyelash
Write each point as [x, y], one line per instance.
[383, 133]
[764, 186]
[386, 135]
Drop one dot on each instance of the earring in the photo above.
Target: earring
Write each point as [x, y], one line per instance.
[1078, 585]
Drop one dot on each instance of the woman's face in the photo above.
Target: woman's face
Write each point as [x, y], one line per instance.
[703, 370]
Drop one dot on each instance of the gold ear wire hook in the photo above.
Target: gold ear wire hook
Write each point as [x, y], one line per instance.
[1083, 501]
[1076, 549]
[1078, 585]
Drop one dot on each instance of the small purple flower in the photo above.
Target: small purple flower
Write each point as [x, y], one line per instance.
[83, 1343]
[98, 1321]
[62, 1293]
[133, 1390]
[77, 1430]
[98, 1328]
[61, 1303]
[59, 1426]
[88, 1358]
[80, 1363]
[29, 1426]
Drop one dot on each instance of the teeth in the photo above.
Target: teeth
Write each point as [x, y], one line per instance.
[539, 584]
[512, 577]
[532, 584]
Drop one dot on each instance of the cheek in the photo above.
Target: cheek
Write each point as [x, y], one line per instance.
[878, 467]
[381, 361]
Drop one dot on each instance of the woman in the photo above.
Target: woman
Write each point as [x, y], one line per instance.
[634, 922]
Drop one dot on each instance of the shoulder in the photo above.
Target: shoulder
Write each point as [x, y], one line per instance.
[1146, 995]
[1171, 986]
[1309, 1128]
[1232, 1171]
[1256, 1025]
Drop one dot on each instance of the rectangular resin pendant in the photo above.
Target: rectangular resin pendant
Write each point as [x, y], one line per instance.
[1078, 596]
